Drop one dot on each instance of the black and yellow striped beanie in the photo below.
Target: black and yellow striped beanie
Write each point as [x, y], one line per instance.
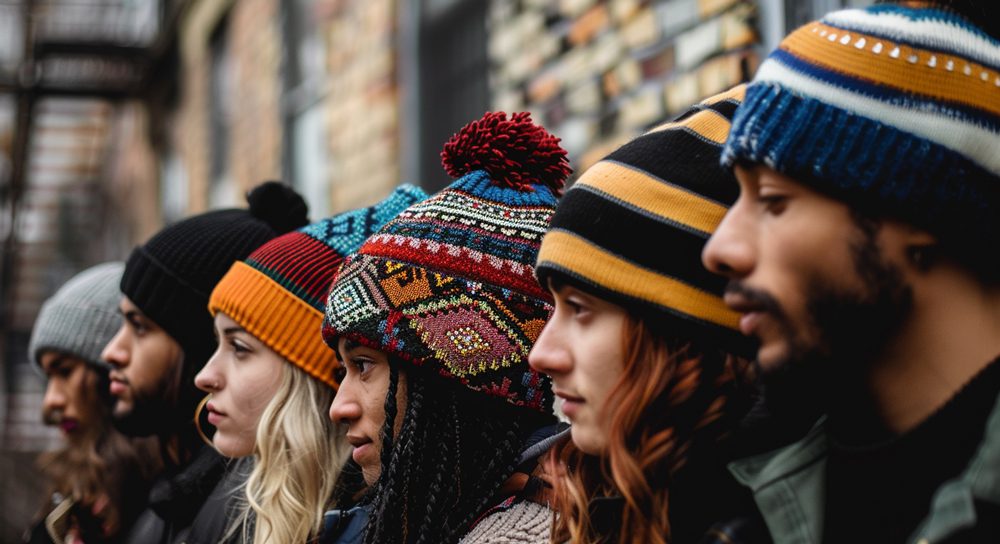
[632, 228]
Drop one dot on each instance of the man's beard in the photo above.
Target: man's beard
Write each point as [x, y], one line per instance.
[848, 329]
[153, 411]
[148, 415]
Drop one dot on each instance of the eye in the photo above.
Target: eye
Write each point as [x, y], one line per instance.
[239, 348]
[362, 365]
[138, 326]
[773, 202]
[577, 306]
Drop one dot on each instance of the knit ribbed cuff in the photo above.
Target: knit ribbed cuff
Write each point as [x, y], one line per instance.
[80, 332]
[863, 162]
[281, 320]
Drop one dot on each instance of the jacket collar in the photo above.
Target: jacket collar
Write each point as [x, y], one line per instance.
[789, 487]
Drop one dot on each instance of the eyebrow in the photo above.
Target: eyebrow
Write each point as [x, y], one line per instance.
[231, 330]
[59, 362]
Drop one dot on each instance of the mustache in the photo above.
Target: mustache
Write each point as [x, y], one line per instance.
[52, 417]
[758, 298]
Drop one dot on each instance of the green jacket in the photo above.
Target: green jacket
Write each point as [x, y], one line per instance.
[789, 486]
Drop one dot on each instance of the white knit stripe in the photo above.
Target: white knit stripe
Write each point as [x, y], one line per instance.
[935, 34]
[978, 144]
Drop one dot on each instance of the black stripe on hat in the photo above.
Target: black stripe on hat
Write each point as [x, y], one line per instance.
[680, 158]
[636, 237]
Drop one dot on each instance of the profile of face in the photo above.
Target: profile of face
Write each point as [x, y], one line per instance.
[360, 401]
[815, 282]
[581, 349]
[145, 379]
[71, 399]
[242, 377]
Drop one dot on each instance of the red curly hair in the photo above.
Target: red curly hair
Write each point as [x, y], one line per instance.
[672, 398]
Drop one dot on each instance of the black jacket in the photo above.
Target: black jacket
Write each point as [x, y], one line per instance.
[176, 499]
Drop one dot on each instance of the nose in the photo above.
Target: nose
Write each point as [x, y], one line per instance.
[55, 397]
[345, 408]
[209, 379]
[117, 351]
[549, 354]
[730, 251]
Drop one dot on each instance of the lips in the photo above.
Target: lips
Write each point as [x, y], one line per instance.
[214, 415]
[571, 404]
[362, 446]
[752, 313]
[118, 385]
[69, 425]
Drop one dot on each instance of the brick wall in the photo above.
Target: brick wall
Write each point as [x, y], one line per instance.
[363, 102]
[599, 72]
[253, 41]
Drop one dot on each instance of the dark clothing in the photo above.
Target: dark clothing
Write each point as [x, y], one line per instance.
[176, 499]
[791, 485]
[344, 526]
[899, 474]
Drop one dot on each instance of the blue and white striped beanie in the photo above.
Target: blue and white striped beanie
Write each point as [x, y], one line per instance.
[893, 108]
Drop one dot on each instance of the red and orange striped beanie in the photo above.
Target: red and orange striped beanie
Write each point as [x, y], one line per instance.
[279, 292]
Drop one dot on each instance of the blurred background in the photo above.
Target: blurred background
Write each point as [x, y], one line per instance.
[120, 116]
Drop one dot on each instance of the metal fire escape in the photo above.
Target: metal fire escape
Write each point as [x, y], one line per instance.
[64, 66]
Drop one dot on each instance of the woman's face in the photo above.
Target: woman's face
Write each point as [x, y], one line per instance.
[581, 349]
[242, 377]
[360, 404]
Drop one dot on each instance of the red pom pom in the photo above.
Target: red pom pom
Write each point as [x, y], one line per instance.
[515, 152]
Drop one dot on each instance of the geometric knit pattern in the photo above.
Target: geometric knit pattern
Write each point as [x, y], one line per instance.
[666, 187]
[277, 294]
[892, 107]
[449, 285]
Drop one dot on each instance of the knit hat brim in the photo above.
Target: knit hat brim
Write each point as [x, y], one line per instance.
[475, 332]
[282, 321]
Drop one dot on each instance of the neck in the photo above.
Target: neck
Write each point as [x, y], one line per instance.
[952, 333]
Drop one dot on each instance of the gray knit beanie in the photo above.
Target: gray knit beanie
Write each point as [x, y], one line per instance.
[82, 317]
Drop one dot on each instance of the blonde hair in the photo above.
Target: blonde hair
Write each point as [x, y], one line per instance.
[297, 459]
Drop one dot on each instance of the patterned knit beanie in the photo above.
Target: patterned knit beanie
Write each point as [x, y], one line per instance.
[82, 317]
[449, 284]
[278, 293]
[668, 185]
[894, 109]
[171, 276]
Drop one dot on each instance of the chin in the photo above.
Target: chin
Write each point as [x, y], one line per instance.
[231, 449]
[588, 441]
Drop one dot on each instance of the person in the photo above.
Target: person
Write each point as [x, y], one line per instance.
[859, 254]
[641, 349]
[433, 319]
[99, 478]
[271, 379]
[165, 337]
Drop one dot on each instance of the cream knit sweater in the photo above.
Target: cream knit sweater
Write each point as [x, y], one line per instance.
[523, 523]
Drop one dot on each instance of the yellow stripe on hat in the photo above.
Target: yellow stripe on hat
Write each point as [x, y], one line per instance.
[901, 66]
[563, 250]
[709, 124]
[640, 190]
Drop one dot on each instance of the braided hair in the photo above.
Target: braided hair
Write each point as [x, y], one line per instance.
[454, 451]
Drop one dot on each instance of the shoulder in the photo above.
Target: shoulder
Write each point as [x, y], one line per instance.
[512, 522]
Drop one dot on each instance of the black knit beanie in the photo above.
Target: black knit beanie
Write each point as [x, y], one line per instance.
[171, 276]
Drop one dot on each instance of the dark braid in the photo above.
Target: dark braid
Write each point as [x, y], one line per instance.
[454, 451]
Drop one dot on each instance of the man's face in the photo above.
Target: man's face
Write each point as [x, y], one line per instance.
[70, 401]
[815, 284]
[360, 404]
[147, 371]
